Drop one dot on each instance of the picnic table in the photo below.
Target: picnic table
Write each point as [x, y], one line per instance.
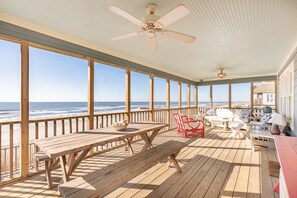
[77, 145]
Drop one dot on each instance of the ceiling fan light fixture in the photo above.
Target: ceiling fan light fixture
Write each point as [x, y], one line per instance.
[221, 75]
[151, 9]
[153, 24]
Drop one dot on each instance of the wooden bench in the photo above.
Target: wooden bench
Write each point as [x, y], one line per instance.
[48, 164]
[107, 179]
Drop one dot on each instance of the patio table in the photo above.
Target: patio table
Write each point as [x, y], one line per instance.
[225, 122]
[77, 145]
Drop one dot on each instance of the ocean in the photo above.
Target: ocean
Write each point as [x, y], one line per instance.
[10, 110]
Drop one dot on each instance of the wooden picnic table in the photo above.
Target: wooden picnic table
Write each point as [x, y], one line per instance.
[77, 145]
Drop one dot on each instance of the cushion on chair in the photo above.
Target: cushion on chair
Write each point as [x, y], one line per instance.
[225, 113]
[237, 113]
[266, 118]
[244, 113]
[210, 112]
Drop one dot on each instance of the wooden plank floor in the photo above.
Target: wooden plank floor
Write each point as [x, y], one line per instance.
[214, 166]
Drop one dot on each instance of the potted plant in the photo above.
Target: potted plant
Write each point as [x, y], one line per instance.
[267, 109]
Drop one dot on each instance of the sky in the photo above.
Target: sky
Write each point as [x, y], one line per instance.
[57, 77]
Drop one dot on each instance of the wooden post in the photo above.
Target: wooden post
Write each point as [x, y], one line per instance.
[91, 94]
[189, 100]
[196, 99]
[252, 97]
[230, 95]
[210, 96]
[276, 95]
[179, 95]
[128, 95]
[168, 102]
[90, 98]
[151, 98]
[24, 109]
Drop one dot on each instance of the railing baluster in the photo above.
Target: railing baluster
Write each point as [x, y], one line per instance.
[101, 121]
[83, 123]
[63, 127]
[55, 127]
[106, 121]
[76, 124]
[70, 125]
[15, 158]
[5, 160]
[36, 147]
[97, 122]
[31, 151]
[46, 129]
[11, 151]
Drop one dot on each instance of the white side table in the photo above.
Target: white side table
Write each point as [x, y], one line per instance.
[261, 138]
[259, 125]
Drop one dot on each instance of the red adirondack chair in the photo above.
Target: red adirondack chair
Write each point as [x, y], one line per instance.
[178, 122]
[188, 126]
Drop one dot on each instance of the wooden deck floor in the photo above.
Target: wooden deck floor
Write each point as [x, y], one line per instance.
[214, 166]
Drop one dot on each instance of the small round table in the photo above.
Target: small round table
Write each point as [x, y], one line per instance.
[236, 132]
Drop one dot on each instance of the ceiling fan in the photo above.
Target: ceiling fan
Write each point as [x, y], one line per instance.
[222, 76]
[153, 24]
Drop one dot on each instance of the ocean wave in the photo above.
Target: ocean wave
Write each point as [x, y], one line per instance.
[68, 109]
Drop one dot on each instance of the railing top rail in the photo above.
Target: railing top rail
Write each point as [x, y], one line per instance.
[56, 118]
[10, 122]
[140, 110]
[161, 109]
[111, 113]
[176, 108]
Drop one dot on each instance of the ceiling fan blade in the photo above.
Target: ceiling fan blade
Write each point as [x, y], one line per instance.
[126, 15]
[179, 36]
[177, 13]
[126, 36]
[152, 42]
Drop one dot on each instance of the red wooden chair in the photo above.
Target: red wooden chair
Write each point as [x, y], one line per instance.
[189, 126]
[178, 121]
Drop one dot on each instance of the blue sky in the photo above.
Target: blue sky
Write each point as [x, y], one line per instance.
[9, 71]
[57, 77]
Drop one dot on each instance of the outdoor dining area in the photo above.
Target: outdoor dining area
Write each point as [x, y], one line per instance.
[148, 99]
[213, 166]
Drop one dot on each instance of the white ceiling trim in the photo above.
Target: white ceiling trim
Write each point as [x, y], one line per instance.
[285, 62]
[83, 43]
[250, 76]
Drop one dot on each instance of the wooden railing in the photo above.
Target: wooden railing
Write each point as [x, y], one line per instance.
[256, 112]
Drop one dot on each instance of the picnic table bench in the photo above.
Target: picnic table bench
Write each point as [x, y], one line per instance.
[107, 179]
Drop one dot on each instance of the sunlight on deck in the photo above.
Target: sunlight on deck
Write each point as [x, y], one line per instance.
[214, 166]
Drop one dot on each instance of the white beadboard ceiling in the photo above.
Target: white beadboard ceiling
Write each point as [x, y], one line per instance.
[247, 37]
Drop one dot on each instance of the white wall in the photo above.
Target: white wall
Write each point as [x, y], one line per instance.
[287, 92]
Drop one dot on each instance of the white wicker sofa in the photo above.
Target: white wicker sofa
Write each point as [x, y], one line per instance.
[236, 115]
